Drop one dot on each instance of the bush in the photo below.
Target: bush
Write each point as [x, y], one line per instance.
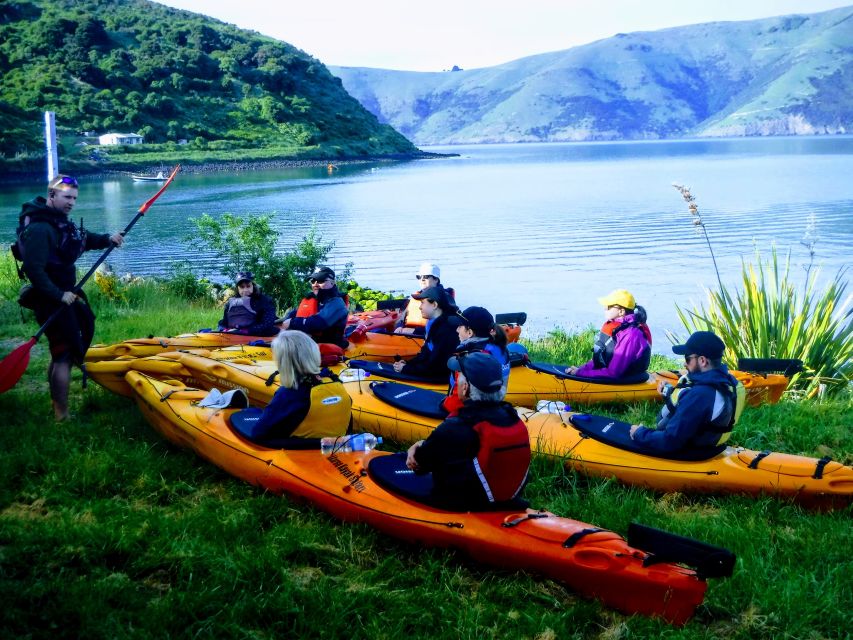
[248, 244]
[772, 318]
[186, 285]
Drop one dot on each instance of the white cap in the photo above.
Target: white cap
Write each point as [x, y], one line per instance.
[429, 269]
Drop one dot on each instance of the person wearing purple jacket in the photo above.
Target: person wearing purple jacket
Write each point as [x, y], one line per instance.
[623, 347]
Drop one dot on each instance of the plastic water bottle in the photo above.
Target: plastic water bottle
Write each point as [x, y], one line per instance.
[551, 406]
[348, 443]
[364, 441]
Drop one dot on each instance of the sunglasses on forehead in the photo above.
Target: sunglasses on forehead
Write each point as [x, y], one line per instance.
[66, 180]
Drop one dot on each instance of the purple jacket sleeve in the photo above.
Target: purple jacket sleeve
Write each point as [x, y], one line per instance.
[630, 345]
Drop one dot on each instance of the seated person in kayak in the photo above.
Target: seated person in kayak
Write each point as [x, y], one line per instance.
[428, 275]
[477, 332]
[440, 340]
[479, 457]
[701, 411]
[308, 404]
[623, 347]
[323, 313]
[250, 312]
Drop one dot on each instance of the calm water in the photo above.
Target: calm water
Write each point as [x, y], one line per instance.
[544, 228]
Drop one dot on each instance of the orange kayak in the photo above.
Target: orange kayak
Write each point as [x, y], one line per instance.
[596, 563]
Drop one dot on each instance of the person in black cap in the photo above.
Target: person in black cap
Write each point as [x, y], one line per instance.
[480, 457]
[322, 313]
[250, 312]
[702, 409]
[440, 340]
[477, 331]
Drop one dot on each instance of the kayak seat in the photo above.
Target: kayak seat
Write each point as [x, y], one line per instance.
[559, 370]
[386, 370]
[392, 474]
[422, 402]
[617, 434]
[242, 423]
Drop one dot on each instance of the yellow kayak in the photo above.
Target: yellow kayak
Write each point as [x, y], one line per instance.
[381, 347]
[528, 384]
[734, 470]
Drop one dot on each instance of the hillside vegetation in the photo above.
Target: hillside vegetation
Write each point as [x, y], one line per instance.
[775, 76]
[134, 66]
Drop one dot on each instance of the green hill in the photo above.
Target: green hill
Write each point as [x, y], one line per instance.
[775, 76]
[134, 66]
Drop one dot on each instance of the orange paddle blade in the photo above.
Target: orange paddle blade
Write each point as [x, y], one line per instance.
[12, 367]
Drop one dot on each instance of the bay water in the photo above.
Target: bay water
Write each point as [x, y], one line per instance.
[540, 228]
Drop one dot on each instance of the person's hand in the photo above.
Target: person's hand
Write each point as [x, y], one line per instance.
[285, 325]
[411, 463]
[68, 298]
[398, 366]
[571, 370]
[117, 239]
[633, 430]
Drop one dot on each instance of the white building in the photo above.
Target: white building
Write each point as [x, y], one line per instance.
[120, 138]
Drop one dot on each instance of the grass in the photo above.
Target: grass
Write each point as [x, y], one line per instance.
[106, 531]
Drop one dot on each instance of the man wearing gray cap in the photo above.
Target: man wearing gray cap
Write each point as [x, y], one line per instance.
[702, 409]
[479, 457]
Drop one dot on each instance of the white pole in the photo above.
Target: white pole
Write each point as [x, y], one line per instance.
[50, 141]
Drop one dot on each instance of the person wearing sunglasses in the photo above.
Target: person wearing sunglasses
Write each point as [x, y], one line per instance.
[323, 312]
[623, 346]
[428, 276]
[702, 409]
[49, 244]
[440, 339]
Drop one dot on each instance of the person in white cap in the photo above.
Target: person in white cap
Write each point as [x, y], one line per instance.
[429, 275]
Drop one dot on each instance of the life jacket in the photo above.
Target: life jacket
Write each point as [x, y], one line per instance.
[329, 412]
[503, 459]
[239, 313]
[733, 395]
[605, 344]
[309, 306]
[413, 310]
[72, 240]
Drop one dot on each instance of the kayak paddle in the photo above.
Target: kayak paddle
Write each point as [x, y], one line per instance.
[12, 367]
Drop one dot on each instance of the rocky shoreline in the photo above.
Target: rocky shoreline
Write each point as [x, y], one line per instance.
[12, 177]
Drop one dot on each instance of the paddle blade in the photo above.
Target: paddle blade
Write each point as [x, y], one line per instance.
[12, 367]
[147, 204]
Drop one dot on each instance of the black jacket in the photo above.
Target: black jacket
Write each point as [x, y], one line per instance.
[440, 343]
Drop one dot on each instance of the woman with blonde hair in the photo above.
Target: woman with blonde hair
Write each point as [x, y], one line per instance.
[310, 403]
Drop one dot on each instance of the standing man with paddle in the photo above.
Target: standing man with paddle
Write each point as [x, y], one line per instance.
[49, 244]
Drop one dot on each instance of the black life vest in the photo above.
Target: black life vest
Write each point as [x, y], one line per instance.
[605, 344]
[734, 395]
[72, 239]
[503, 460]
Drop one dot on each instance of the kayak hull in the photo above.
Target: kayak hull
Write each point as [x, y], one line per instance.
[600, 564]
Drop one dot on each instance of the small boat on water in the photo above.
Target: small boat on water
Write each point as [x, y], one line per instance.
[160, 177]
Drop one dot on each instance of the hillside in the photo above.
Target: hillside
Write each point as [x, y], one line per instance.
[134, 66]
[775, 76]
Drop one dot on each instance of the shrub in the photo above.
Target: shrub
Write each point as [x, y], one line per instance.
[772, 318]
[184, 283]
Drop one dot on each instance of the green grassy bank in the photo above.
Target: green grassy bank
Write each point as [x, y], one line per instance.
[106, 531]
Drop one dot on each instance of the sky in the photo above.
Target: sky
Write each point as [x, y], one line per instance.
[435, 35]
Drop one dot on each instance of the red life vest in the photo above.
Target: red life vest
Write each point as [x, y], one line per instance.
[310, 306]
[503, 460]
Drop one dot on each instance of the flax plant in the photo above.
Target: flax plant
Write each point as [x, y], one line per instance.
[771, 318]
